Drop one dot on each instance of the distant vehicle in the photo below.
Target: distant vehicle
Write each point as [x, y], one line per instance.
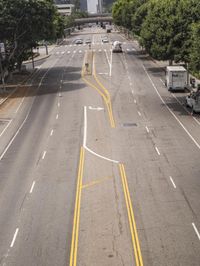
[193, 100]
[88, 41]
[176, 78]
[117, 47]
[108, 28]
[78, 41]
[105, 39]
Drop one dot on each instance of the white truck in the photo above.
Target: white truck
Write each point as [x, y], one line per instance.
[176, 78]
[193, 100]
[117, 47]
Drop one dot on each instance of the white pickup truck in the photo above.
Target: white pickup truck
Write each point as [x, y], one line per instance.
[193, 100]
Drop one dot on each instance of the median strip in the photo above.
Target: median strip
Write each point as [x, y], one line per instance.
[131, 218]
[75, 232]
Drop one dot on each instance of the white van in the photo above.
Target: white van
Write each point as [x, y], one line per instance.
[176, 78]
[117, 47]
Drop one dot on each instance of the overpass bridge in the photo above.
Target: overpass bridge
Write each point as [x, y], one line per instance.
[94, 18]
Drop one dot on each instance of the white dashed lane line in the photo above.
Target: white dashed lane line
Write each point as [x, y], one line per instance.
[147, 129]
[157, 150]
[32, 187]
[196, 230]
[139, 113]
[44, 154]
[57, 116]
[58, 104]
[51, 134]
[14, 237]
[173, 183]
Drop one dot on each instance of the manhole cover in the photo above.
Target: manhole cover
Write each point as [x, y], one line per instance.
[129, 125]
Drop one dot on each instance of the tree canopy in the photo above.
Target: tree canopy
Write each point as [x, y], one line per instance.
[23, 23]
[168, 29]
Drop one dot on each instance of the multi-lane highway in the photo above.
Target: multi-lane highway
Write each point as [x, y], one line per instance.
[99, 163]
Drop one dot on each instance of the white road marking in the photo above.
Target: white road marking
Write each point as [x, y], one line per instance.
[157, 150]
[57, 116]
[188, 133]
[173, 183]
[135, 101]
[130, 83]
[74, 51]
[19, 105]
[51, 134]
[127, 49]
[58, 104]
[139, 113]
[59, 93]
[68, 52]
[62, 52]
[14, 237]
[85, 140]
[162, 81]
[80, 51]
[100, 50]
[32, 187]
[103, 73]
[100, 156]
[196, 230]
[44, 154]
[6, 127]
[95, 108]
[147, 129]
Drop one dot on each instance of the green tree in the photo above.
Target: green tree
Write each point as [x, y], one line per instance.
[195, 49]
[23, 23]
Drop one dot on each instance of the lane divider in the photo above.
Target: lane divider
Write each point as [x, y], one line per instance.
[75, 232]
[131, 218]
[105, 94]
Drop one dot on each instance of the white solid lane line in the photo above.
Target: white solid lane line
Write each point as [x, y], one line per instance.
[162, 81]
[157, 150]
[6, 128]
[196, 231]
[19, 105]
[44, 154]
[32, 187]
[147, 129]
[173, 183]
[85, 127]
[51, 134]
[14, 237]
[173, 114]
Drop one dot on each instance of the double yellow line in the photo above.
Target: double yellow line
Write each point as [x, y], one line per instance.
[102, 91]
[131, 218]
[75, 232]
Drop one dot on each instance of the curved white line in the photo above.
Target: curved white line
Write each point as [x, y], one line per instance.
[100, 156]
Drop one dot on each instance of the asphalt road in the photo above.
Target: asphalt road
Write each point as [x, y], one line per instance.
[99, 163]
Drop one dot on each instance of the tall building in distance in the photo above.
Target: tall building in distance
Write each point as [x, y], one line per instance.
[83, 5]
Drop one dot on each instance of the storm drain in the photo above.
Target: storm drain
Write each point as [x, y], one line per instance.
[129, 125]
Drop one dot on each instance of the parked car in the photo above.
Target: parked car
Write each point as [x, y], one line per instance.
[88, 41]
[104, 39]
[78, 41]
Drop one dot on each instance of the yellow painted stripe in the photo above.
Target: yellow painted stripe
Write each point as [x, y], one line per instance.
[96, 182]
[108, 97]
[74, 242]
[132, 223]
[133, 218]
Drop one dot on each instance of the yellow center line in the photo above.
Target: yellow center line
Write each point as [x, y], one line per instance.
[132, 223]
[75, 232]
[105, 94]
